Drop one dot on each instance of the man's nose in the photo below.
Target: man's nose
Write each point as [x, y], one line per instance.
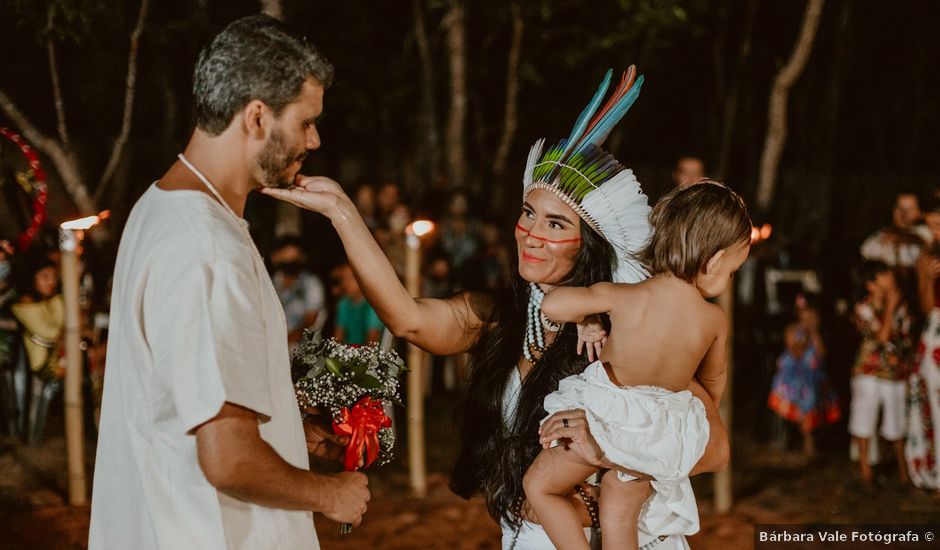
[313, 138]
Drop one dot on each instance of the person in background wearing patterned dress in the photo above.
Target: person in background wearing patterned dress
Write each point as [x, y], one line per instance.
[923, 446]
[800, 391]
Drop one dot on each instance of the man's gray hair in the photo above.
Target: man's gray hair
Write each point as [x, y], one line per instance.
[253, 58]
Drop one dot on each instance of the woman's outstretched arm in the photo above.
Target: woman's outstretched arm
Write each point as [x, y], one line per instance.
[442, 327]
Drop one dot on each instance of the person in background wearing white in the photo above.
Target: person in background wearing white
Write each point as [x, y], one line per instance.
[899, 245]
[922, 445]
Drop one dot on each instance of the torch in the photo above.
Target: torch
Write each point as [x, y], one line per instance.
[416, 452]
[70, 239]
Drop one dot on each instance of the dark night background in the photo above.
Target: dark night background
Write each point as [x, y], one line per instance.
[864, 125]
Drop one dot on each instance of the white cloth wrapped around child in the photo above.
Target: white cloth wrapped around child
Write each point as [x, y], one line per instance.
[647, 429]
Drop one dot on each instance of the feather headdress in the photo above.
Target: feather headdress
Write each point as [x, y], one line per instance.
[592, 182]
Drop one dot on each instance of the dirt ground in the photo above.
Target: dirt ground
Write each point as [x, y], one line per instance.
[770, 487]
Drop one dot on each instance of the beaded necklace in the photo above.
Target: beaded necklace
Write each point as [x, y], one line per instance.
[536, 323]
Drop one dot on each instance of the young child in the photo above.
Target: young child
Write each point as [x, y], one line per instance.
[800, 392]
[881, 368]
[356, 321]
[663, 332]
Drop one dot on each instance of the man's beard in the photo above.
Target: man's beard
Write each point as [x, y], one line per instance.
[274, 160]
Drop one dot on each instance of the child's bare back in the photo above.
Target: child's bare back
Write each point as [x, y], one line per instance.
[663, 332]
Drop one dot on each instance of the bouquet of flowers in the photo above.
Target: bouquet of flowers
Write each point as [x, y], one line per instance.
[353, 383]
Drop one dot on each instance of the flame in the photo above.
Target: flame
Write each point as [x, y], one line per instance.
[761, 233]
[88, 222]
[765, 231]
[421, 228]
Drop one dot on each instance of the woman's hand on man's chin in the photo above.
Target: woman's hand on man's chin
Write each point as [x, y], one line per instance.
[316, 193]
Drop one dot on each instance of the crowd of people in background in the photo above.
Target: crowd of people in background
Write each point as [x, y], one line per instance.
[894, 382]
[463, 252]
[895, 377]
[899, 306]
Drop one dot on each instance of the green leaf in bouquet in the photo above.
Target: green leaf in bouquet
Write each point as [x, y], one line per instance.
[367, 381]
[317, 366]
[358, 368]
[313, 337]
[334, 365]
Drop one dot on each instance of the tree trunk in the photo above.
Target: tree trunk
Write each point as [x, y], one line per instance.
[510, 119]
[59, 150]
[777, 111]
[63, 159]
[456, 120]
[730, 112]
[129, 89]
[430, 163]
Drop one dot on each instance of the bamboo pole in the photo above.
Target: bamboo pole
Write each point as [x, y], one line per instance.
[417, 468]
[723, 483]
[74, 428]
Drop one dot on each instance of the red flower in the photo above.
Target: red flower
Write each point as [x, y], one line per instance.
[936, 356]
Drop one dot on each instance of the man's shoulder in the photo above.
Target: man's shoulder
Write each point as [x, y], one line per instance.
[181, 223]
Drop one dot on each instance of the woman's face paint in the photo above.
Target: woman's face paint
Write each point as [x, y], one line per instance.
[548, 238]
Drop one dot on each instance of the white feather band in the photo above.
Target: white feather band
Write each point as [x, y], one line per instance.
[617, 210]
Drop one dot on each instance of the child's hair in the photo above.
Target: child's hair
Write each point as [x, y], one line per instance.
[691, 224]
[867, 272]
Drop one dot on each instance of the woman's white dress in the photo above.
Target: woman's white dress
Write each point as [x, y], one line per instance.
[531, 536]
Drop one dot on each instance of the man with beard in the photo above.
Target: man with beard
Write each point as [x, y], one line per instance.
[201, 443]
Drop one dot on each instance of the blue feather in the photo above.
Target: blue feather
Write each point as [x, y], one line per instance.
[603, 128]
[586, 115]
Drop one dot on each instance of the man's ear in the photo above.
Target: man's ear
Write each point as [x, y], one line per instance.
[713, 261]
[253, 119]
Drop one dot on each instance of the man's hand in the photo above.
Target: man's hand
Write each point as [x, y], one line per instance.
[321, 442]
[349, 498]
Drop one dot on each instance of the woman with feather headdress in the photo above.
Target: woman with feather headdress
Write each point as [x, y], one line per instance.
[583, 218]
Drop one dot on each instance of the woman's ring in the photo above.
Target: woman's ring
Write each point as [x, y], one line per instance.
[564, 422]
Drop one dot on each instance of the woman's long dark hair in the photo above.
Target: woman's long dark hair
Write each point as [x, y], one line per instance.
[493, 457]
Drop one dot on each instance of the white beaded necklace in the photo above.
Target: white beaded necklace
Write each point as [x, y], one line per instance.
[535, 323]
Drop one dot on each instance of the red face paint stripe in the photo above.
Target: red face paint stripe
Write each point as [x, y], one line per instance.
[543, 239]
